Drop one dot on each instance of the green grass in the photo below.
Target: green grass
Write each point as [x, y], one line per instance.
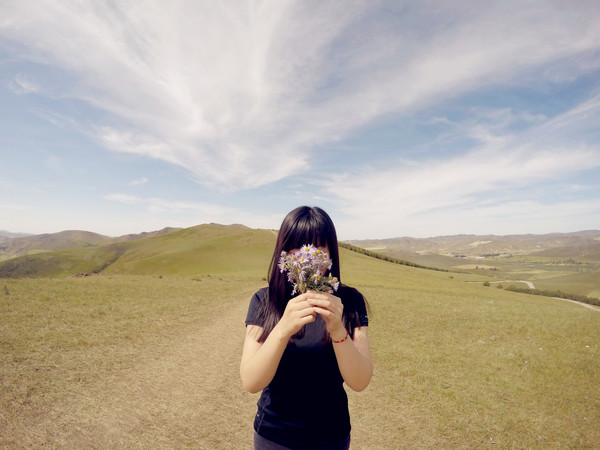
[79, 351]
[201, 249]
[468, 366]
[62, 263]
[579, 283]
[124, 360]
[566, 275]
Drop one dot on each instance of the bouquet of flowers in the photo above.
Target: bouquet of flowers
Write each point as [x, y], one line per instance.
[306, 270]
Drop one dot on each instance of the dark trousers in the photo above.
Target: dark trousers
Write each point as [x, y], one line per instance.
[260, 443]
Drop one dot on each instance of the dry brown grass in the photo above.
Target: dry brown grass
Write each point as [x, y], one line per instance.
[148, 362]
[155, 366]
[465, 366]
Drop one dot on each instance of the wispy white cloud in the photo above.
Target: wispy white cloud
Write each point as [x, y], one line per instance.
[23, 85]
[239, 93]
[157, 205]
[186, 213]
[138, 181]
[440, 184]
[502, 179]
[124, 198]
[508, 217]
[393, 115]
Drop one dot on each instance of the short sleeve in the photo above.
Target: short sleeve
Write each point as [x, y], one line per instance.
[361, 310]
[356, 305]
[254, 309]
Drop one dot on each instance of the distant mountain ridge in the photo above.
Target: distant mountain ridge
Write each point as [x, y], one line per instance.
[65, 240]
[584, 244]
[145, 234]
[6, 235]
[581, 243]
[224, 249]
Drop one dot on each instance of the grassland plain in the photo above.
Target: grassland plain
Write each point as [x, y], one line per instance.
[568, 263]
[151, 361]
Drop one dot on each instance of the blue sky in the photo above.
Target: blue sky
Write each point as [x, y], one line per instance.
[398, 118]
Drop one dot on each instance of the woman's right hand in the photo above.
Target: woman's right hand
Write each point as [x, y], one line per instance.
[297, 314]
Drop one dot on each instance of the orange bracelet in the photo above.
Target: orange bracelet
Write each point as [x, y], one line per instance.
[339, 342]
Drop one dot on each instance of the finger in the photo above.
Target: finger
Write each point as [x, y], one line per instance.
[318, 295]
[303, 308]
[298, 306]
[327, 314]
[327, 304]
[299, 298]
[306, 309]
[322, 303]
[318, 302]
[307, 319]
[324, 297]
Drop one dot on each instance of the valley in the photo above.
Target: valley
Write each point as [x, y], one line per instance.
[566, 262]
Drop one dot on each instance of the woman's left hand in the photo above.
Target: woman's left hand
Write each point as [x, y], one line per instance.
[330, 308]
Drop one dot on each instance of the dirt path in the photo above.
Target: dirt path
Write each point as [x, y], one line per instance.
[184, 393]
[532, 286]
[529, 284]
[585, 305]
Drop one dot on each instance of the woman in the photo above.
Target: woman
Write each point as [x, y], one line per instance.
[300, 350]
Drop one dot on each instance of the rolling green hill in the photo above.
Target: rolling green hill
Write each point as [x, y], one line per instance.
[211, 248]
[62, 263]
[207, 248]
[20, 245]
[220, 249]
[48, 242]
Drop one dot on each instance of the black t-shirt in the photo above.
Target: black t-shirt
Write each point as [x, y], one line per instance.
[305, 405]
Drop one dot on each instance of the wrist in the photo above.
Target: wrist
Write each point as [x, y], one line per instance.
[339, 335]
[280, 333]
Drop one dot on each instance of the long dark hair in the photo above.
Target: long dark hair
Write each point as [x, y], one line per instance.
[304, 225]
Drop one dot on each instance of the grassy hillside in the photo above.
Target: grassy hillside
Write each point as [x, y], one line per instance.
[567, 262]
[465, 366]
[145, 234]
[550, 270]
[62, 263]
[49, 242]
[589, 251]
[202, 249]
[64, 240]
[123, 361]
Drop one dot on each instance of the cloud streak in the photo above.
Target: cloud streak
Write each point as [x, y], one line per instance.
[22, 85]
[181, 213]
[241, 94]
[395, 113]
[499, 179]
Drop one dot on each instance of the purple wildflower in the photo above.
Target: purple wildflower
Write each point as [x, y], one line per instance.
[307, 270]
